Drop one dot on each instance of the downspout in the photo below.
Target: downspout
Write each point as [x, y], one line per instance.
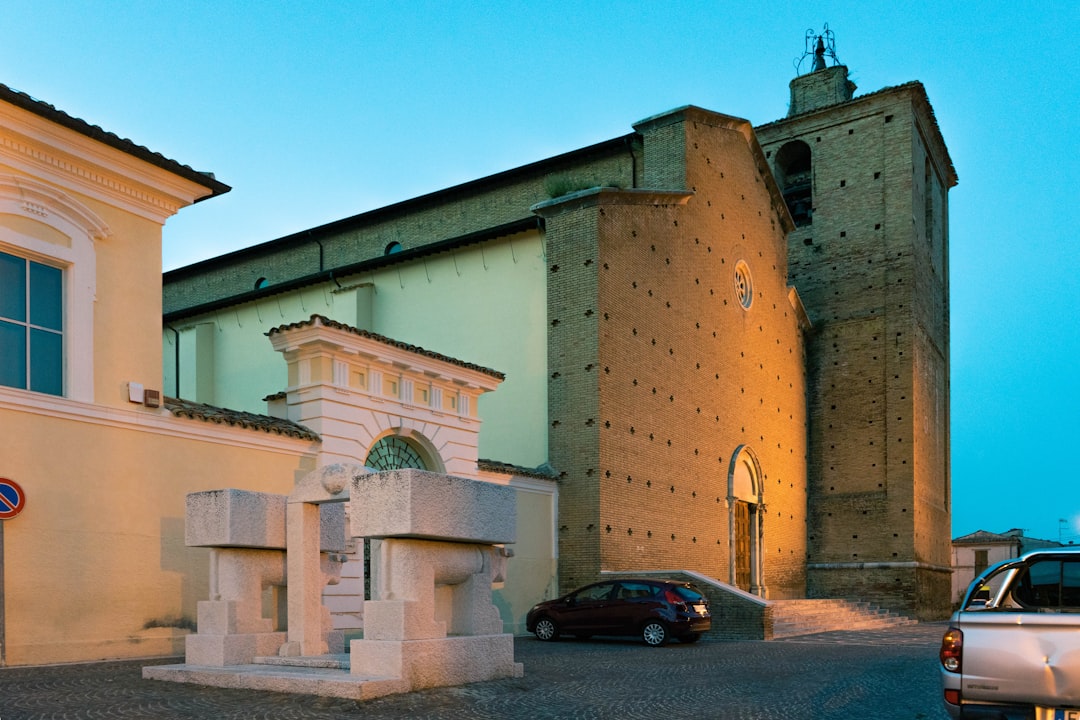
[633, 161]
[176, 359]
[319, 243]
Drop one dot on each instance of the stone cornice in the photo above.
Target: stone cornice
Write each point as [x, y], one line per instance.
[81, 164]
[610, 196]
[354, 341]
[157, 422]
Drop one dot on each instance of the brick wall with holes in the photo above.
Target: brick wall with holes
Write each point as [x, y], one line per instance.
[871, 269]
[685, 374]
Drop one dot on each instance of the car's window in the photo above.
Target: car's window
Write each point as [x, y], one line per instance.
[987, 594]
[1048, 584]
[634, 591]
[1039, 585]
[595, 592]
[1070, 584]
[689, 594]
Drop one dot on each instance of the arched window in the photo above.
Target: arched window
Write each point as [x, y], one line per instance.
[793, 173]
[394, 453]
[394, 247]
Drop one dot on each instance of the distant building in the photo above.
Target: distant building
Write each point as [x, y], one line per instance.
[974, 552]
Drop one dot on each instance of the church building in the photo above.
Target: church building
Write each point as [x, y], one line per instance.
[724, 349]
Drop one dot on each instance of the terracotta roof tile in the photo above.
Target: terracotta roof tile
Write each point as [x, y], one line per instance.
[984, 536]
[327, 322]
[52, 113]
[544, 472]
[237, 418]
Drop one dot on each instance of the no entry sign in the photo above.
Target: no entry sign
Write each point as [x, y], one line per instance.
[12, 499]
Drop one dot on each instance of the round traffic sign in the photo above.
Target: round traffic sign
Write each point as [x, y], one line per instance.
[12, 499]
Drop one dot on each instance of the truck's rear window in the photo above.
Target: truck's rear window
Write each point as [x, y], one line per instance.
[1049, 584]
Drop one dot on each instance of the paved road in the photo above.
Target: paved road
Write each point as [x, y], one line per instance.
[881, 674]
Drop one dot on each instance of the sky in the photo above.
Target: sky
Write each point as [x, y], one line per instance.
[315, 111]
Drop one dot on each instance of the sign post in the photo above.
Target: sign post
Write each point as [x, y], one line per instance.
[12, 501]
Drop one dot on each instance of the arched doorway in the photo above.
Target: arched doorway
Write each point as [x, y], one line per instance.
[746, 511]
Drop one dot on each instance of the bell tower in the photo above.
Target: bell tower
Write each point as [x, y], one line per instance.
[866, 180]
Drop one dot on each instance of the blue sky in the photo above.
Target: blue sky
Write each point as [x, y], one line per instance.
[314, 111]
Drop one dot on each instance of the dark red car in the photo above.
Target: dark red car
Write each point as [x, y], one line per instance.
[653, 610]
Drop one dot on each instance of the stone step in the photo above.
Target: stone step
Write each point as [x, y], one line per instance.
[326, 662]
[807, 617]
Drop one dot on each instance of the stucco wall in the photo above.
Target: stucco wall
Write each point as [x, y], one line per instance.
[95, 566]
[484, 304]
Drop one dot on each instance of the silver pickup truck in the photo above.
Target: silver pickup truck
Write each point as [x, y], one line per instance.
[1012, 650]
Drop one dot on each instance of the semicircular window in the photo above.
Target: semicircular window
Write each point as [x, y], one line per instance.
[394, 453]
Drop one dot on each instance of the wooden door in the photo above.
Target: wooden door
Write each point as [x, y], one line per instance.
[742, 545]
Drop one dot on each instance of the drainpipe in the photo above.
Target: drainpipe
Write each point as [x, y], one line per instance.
[319, 243]
[176, 360]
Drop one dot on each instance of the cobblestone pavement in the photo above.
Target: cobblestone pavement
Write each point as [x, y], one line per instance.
[881, 675]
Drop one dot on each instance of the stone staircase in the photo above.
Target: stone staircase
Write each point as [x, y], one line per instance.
[738, 615]
[806, 617]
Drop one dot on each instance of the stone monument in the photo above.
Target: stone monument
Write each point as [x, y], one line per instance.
[436, 550]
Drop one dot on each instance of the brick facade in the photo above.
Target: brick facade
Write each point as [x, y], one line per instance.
[660, 375]
[872, 268]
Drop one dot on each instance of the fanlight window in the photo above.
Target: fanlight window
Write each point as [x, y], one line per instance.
[394, 453]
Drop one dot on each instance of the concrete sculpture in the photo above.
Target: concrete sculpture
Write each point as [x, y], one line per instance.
[436, 550]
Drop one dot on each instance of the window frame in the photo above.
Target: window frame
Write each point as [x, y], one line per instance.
[74, 254]
[31, 330]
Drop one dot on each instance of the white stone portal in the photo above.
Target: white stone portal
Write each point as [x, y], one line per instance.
[437, 550]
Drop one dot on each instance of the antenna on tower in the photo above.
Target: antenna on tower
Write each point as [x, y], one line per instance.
[819, 47]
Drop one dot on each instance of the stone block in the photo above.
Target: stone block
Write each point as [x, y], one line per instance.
[217, 617]
[247, 519]
[222, 650]
[426, 505]
[437, 663]
[401, 620]
[235, 518]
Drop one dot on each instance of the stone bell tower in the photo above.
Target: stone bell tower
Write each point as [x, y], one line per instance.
[866, 180]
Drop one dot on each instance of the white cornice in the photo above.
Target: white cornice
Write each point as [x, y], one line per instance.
[157, 422]
[312, 340]
[81, 164]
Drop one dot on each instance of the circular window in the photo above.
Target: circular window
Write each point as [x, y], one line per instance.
[744, 285]
[394, 453]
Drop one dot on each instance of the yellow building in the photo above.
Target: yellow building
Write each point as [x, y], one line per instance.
[95, 565]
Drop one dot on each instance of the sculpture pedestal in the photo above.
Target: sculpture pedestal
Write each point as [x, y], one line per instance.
[437, 662]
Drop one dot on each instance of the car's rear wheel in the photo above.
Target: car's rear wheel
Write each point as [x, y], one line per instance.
[654, 633]
[690, 638]
[546, 629]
